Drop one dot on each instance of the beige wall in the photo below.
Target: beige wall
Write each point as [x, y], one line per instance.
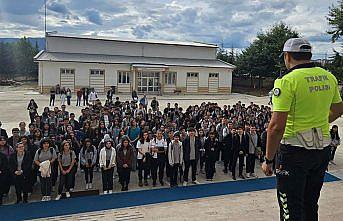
[49, 75]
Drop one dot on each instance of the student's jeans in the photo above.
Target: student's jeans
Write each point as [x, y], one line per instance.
[107, 179]
[300, 175]
[89, 174]
[78, 101]
[46, 184]
[333, 151]
[250, 163]
[68, 100]
[65, 181]
[210, 167]
[22, 186]
[124, 176]
[173, 174]
[240, 158]
[161, 166]
[143, 166]
[52, 100]
[154, 167]
[188, 164]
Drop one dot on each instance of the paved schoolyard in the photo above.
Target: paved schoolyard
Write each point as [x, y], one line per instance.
[260, 205]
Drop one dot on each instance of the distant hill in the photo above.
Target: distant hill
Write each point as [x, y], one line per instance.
[40, 41]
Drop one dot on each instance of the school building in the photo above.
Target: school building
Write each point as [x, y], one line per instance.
[147, 66]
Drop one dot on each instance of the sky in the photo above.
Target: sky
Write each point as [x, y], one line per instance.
[233, 23]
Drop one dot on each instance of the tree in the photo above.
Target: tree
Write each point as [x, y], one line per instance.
[335, 19]
[24, 54]
[261, 58]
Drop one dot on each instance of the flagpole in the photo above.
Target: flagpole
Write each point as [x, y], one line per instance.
[45, 17]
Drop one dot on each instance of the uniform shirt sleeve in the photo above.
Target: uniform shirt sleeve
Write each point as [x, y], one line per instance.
[282, 95]
[336, 97]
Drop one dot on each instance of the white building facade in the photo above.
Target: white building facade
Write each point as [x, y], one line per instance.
[151, 67]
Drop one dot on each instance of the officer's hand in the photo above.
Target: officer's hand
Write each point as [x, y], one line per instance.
[267, 169]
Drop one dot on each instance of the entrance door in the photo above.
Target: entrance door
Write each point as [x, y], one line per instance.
[213, 82]
[97, 80]
[148, 82]
[67, 78]
[192, 82]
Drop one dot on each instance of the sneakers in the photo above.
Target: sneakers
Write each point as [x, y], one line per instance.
[48, 198]
[242, 177]
[67, 194]
[71, 189]
[90, 186]
[248, 175]
[140, 183]
[58, 197]
[252, 175]
[195, 182]
[87, 186]
[110, 192]
[105, 192]
[184, 183]
[44, 198]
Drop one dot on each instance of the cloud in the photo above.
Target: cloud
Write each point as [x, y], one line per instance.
[94, 16]
[58, 7]
[231, 22]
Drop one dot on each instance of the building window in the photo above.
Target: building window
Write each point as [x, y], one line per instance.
[214, 75]
[124, 77]
[192, 74]
[170, 78]
[67, 71]
[97, 72]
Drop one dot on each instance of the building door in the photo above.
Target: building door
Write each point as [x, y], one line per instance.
[97, 80]
[148, 82]
[67, 78]
[213, 83]
[192, 82]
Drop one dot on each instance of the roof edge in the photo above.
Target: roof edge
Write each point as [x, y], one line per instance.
[146, 41]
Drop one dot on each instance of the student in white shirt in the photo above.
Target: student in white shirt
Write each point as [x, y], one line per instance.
[143, 158]
[107, 163]
[158, 161]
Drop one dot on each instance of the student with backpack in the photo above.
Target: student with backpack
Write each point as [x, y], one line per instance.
[44, 158]
[66, 162]
[107, 162]
[88, 160]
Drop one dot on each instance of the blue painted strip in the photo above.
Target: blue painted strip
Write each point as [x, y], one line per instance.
[136, 198]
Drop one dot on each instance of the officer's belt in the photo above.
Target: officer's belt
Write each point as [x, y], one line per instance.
[311, 140]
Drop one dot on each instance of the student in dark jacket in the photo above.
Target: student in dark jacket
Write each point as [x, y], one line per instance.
[211, 155]
[3, 132]
[4, 171]
[227, 150]
[20, 164]
[240, 148]
[124, 163]
[191, 155]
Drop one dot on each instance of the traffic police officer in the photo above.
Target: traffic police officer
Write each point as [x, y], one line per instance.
[305, 99]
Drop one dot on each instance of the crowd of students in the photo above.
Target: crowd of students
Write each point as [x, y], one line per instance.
[122, 137]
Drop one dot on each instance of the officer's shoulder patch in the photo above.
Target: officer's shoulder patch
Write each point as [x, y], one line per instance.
[276, 92]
